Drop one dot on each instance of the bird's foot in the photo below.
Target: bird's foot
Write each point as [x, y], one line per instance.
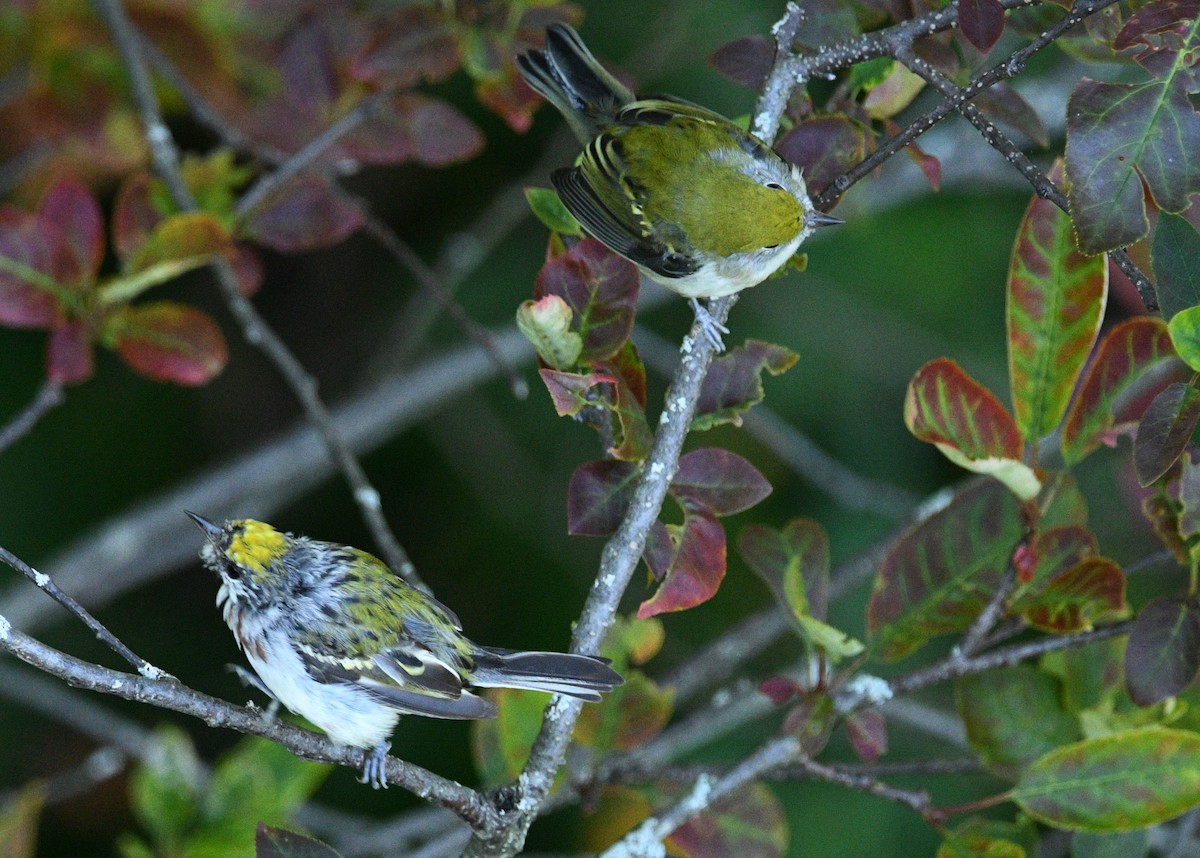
[251, 679]
[374, 766]
[710, 328]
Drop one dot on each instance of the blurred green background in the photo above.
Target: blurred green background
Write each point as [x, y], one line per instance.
[476, 490]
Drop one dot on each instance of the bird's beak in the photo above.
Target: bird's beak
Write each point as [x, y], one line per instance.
[822, 219]
[211, 530]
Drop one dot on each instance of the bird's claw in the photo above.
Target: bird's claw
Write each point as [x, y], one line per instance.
[374, 766]
[710, 328]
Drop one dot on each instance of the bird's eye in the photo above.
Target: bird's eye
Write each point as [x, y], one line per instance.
[775, 186]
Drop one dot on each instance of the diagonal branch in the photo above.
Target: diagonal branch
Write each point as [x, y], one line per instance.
[48, 397]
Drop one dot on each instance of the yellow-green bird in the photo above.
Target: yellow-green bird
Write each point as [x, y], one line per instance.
[697, 203]
[338, 638]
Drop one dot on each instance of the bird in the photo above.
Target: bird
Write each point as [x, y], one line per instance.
[698, 204]
[336, 637]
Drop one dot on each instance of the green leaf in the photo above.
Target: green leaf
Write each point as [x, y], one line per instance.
[1163, 652]
[547, 325]
[733, 384]
[951, 410]
[833, 641]
[1092, 674]
[1127, 844]
[1121, 135]
[1176, 260]
[939, 575]
[793, 562]
[978, 846]
[1056, 299]
[749, 823]
[894, 93]
[19, 822]
[548, 208]
[165, 789]
[1133, 362]
[1164, 431]
[1185, 336]
[501, 745]
[628, 717]
[1013, 716]
[278, 843]
[259, 780]
[1114, 783]
[1073, 600]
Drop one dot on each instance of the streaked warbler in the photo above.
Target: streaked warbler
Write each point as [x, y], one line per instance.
[698, 204]
[336, 637]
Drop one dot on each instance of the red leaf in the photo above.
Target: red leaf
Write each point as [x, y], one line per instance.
[981, 22]
[697, 569]
[1163, 652]
[1092, 588]
[168, 342]
[416, 128]
[733, 384]
[29, 244]
[74, 211]
[598, 496]
[718, 480]
[69, 358]
[305, 215]
[600, 288]
[1133, 362]
[824, 147]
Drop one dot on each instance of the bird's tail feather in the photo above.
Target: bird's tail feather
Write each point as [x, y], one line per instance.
[581, 676]
[567, 75]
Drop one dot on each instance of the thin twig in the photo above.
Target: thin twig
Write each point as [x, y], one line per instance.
[646, 840]
[973, 639]
[46, 584]
[917, 800]
[254, 327]
[218, 713]
[49, 396]
[97, 767]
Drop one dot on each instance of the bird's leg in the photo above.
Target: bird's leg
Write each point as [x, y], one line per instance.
[374, 766]
[250, 678]
[709, 327]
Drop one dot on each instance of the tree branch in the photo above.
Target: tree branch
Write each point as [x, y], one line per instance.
[218, 713]
[48, 397]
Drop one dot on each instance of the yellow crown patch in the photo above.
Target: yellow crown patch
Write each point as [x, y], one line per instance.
[255, 545]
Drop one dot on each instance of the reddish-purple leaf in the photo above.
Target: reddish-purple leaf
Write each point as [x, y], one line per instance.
[415, 128]
[134, 215]
[981, 22]
[1161, 28]
[659, 552]
[1164, 431]
[780, 689]
[948, 408]
[247, 265]
[746, 60]
[868, 734]
[280, 843]
[74, 211]
[749, 824]
[413, 44]
[794, 563]
[629, 404]
[697, 566]
[1054, 550]
[1121, 135]
[733, 384]
[940, 574]
[1134, 361]
[929, 165]
[28, 248]
[601, 290]
[718, 480]
[1004, 104]
[168, 342]
[305, 215]
[598, 496]
[1072, 601]
[1163, 652]
[1056, 299]
[568, 389]
[69, 357]
[305, 64]
[825, 147]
